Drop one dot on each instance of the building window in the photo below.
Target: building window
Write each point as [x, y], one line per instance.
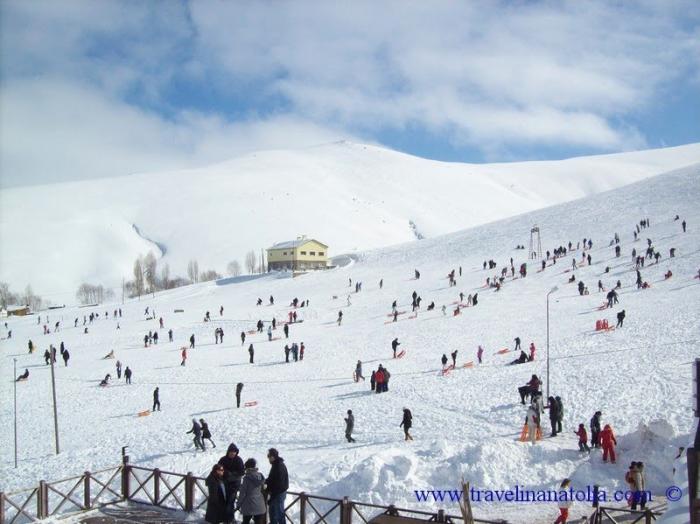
[312, 253]
[303, 252]
[320, 253]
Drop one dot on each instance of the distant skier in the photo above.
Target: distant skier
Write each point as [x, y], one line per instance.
[66, 357]
[119, 369]
[269, 333]
[286, 331]
[373, 380]
[349, 426]
[170, 335]
[394, 345]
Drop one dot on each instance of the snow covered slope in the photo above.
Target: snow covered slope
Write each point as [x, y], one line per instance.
[466, 423]
[350, 196]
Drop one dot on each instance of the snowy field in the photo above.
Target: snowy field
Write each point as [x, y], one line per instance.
[350, 196]
[465, 424]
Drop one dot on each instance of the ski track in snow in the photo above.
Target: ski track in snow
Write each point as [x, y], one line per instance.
[465, 424]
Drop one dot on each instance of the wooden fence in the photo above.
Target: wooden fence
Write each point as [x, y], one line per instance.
[183, 492]
[607, 515]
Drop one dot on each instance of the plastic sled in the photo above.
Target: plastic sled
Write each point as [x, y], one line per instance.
[469, 364]
[502, 351]
[401, 354]
[250, 404]
[144, 413]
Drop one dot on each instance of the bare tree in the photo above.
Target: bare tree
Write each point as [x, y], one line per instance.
[234, 268]
[193, 271]
[208, 275]
[7, 297]
[30, 299]
[165, 276]
[138, 277]
[149, 269]
[89, 294]
[251, 261]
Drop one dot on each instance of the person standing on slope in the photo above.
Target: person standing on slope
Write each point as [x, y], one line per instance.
[394, 345]
[406, 423]
[358, 371]
[564, 503]
[197, 432]
[251, 352]
[595, 429]
[239, 389]
[444, 360]
[349, 426]
[608, 442]
[479, 353]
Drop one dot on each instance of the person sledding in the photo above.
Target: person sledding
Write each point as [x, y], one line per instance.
[105, 381]
[23, 376]
[521, 359]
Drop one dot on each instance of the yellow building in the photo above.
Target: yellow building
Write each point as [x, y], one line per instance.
[300, 254]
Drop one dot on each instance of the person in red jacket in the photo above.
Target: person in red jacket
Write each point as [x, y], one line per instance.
[608, 442]
[379, 378]
[582, 438]
[532, 351]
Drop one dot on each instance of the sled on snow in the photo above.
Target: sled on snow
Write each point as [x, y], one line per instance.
[525, 434]
[250, 404]
[398, 313]
[401, 354]
[502, 351]
[144, 413]
[469, 364]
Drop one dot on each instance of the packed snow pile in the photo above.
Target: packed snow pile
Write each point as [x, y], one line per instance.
[350, 196]
[466, 422]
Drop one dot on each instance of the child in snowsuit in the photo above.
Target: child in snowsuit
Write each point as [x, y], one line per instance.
[608, 442]
[582, 438]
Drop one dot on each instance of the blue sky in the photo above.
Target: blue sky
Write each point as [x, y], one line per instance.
[93, 89]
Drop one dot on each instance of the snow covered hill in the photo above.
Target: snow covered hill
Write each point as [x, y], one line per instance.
[350, 196]
[465, 424]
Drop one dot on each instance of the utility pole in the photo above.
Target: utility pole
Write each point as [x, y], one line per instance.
[53, 390]
[15, 375]
[555, 288]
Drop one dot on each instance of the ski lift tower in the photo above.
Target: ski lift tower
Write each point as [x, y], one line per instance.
[535, 243]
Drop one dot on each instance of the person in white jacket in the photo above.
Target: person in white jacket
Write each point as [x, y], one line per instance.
[564, 502]
[533, 421]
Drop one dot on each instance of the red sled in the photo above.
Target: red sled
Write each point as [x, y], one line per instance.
[502, 351]
[445, 371]
[250, 404]
[398, 313]
[401, 354]
[469, 364]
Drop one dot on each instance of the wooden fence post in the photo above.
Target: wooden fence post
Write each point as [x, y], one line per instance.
[156, 486]
[86, 490]
[189, 492]
[441, 515]
[345, 511]
[42, 500]
[126, 473]
[302, 508]
[648, 516]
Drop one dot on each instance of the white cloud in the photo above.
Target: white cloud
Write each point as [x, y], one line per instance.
[87, 88]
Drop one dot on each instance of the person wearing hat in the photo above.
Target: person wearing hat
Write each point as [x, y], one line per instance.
[595, 429]
[251, 503]
[277, 483]
[233, 473]
[349, 425]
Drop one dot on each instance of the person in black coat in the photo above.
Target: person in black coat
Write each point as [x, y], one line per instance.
[239, 389]
[349, 426]
[406, 423]
[277, 483]
[553, 407]
[620, 318]
[156, 399]
[595, 429]
[217, 502]
[251, 352]
[233, 473]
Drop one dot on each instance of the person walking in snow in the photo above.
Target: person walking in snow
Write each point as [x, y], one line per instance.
[286, 331]
[582, 438]
[156, 399]
[127, 375]
[532, 351]
[379, 378]
[119, 369]
[340, 317]
[239, 389]
[197, 435]
[269, 333]
[170, 335]
[287, 350]
[192, 341]
[373, 380]
[608, 443]
[349, 425]
[206, 434]
[251, 352]
[358, 371]
[301, 351]
[251, 499]
[454, 358]
[620, 318]
[683, 225]
[65, 356]
[242, 338]
[183, 353]
[479, 353]
[444, 360]
[406, 423]
[517, 344]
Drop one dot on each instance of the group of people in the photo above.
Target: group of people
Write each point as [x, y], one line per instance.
[235, 486]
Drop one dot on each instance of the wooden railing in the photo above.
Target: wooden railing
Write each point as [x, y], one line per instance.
[183, 492]
[606, 515]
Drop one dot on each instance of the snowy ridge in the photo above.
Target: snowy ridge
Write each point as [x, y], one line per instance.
[351, 196]
[465, 424]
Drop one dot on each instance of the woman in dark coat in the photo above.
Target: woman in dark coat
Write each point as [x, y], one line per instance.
[216, 504]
